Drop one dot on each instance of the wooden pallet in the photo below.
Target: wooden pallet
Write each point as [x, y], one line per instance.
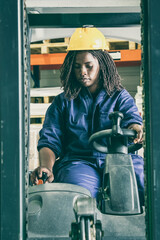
[41, 99]
[117, 44]
[38, 120]
[48, 46]
[60, 45]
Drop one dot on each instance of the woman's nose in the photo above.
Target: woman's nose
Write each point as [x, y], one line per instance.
[83, 71]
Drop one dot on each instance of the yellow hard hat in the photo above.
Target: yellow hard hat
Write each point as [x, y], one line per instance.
[87, 38]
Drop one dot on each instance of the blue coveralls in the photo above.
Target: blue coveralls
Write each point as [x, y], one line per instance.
[69, 124]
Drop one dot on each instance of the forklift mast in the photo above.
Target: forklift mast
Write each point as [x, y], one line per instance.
[14, 115]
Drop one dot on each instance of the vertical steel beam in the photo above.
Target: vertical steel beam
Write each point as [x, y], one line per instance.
[151, 65]
[12, 145]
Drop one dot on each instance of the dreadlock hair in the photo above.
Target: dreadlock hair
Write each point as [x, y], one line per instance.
[109, 76]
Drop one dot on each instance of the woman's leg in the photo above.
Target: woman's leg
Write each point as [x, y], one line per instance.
[81, 174]
[138, 164]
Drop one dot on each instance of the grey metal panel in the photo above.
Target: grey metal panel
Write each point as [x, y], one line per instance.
[130, 78]
[50, 78]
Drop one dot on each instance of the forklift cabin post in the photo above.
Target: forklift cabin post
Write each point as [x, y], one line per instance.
[12, 91]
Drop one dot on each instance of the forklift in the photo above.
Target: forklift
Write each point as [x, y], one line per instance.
[17, 203]
[117, 214]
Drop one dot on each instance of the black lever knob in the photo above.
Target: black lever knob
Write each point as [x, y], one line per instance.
[43, 178]
[116, 118]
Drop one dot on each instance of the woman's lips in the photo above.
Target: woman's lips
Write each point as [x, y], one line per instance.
[84, 79]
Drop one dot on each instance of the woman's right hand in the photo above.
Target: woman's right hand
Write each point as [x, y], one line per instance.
[37, 173]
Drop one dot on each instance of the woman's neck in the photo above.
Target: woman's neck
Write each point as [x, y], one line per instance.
[95, 91]
[94, 94]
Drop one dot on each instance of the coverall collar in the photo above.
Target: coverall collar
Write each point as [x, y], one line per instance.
[86, 94]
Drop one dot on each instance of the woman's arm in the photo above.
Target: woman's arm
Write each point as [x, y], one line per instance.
[132, 119]
[47, 159]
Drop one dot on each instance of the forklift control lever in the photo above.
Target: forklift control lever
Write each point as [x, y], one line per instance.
[43, 178]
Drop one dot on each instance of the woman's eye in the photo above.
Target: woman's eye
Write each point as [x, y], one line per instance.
[89, 66]
[76, 66]
[79, 66]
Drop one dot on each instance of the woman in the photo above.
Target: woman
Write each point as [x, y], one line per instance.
[92, 90]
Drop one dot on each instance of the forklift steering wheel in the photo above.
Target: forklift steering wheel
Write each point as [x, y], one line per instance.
[118, 137]
[107, 134]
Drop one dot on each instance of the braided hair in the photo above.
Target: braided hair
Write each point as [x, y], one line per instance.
[108, 73]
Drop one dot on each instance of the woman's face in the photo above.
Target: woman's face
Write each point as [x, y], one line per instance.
[87, 70]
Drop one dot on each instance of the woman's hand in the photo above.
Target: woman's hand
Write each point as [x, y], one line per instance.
[37, 173]
[47, 159]
[139, 129]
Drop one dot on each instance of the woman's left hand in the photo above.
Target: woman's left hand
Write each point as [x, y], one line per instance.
[139, 129]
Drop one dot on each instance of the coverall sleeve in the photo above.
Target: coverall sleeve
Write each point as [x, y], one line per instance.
[127, 106]
[52, 132]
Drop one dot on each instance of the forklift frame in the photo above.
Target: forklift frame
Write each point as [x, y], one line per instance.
[13, 137]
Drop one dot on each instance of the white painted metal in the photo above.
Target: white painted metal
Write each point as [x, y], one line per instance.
[129, 33]
[45, 92]
[83, 6]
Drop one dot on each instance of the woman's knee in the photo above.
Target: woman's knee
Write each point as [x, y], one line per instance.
[80, 174]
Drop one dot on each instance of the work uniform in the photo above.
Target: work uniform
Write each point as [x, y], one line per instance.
[69, 124]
